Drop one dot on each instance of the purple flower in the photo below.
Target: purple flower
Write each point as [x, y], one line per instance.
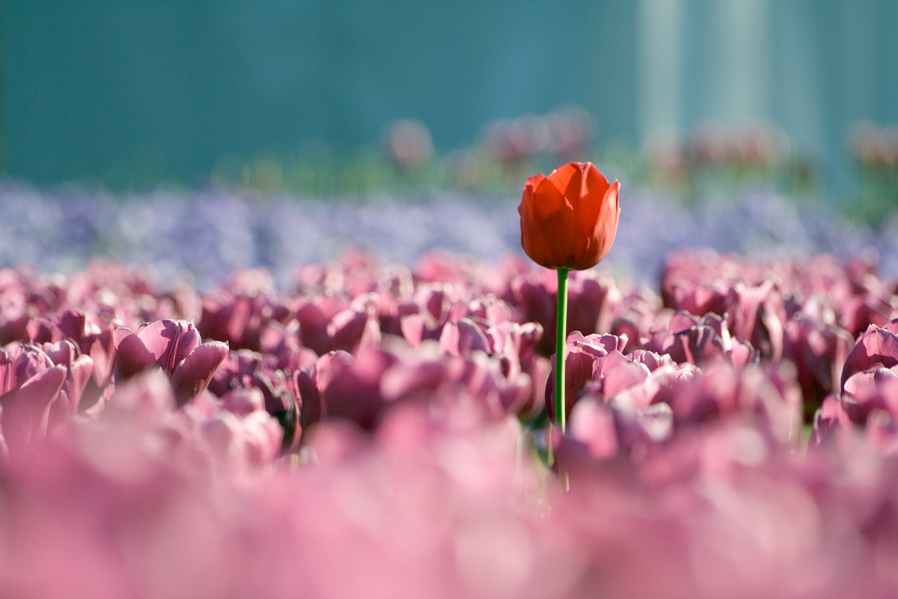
[818, 351]
[877, 345]
[175, 347]
[245, 375]
[593, 299]
[583, 363]
[32, 395]
[698, 341]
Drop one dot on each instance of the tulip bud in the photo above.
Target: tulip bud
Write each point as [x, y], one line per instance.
[569, 219]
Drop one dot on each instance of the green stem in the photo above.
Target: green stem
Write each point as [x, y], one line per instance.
[560, 338]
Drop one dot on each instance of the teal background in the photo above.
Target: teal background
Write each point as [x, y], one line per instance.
[168, 89]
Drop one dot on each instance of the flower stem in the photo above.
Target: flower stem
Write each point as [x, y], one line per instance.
[560, 338]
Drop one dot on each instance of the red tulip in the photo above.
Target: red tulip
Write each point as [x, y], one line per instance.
[569, 219]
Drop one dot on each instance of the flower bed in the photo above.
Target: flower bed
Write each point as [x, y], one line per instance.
[375, 430]
[363, 426]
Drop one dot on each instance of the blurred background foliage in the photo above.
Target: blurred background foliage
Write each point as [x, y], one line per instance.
[346, 96]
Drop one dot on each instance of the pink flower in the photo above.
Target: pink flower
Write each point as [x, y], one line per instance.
[28, 397]
[593, 299]
[877, 345]
[819, 352]
[175, 347]
[583, 362]
[248, 380]
[39, 388]
[699, 340]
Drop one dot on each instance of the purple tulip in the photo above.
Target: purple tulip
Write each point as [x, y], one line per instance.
[462, 337]
[355, 328]
[698, 341]
[583, 363]
[877, 345]
[818, 352]
[176, 348]
[592, 302]
[349, 387]
[314, 316]
[79, 369]
[245, 375]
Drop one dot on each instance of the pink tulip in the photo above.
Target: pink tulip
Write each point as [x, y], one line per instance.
[176, 348]
[877, 345]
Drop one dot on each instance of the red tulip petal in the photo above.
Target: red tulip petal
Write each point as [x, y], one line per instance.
[606, 227]
[559, 200]
[594, 182]
[540, 201]
[568, 181]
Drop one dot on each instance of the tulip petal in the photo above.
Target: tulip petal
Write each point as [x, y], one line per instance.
[192, 376]
[26, 411]
[606, 226]
[131, 356]
[156, 337]
[541, 202]
[560, 193]
[79, 374]
[568, 181]
[875, 345]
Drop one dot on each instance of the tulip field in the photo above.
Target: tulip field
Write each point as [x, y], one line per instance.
[217, 394]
